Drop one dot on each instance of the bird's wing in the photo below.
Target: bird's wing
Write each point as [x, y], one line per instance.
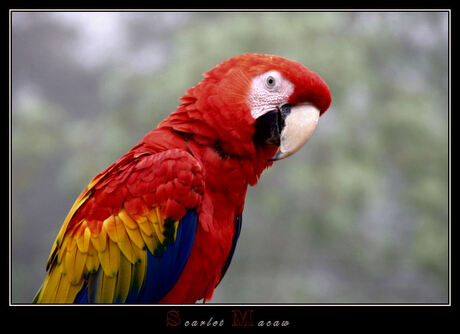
[129, 234]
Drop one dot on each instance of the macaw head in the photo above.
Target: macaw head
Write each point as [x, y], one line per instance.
[266, 101]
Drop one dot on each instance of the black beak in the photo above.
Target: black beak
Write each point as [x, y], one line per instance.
[269, 126]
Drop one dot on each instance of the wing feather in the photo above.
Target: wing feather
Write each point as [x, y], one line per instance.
[117, 244]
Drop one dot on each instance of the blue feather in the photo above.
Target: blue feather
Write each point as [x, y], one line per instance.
[164, 271]
[82, 296]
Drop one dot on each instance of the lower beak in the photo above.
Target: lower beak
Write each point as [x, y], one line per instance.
[299, 125]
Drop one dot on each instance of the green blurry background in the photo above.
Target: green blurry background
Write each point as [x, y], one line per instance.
[359, 215]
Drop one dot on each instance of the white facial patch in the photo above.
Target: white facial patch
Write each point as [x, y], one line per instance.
[268, 91]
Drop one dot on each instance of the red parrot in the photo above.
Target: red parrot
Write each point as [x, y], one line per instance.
[161, 224]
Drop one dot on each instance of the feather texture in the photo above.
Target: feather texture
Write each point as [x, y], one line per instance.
[108, 255]
[161, 224]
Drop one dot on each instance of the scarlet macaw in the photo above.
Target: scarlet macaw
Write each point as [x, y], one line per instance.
[161, 224]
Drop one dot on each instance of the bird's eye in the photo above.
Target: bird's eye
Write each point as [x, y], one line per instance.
[270, 82]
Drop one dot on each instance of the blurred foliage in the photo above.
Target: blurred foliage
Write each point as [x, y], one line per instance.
[358, 215]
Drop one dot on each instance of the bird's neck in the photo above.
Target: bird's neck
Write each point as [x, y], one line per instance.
[225, 142]
[231, 161]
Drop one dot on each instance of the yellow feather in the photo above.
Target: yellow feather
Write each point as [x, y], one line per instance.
[62, 251]
[176, 224]
[69, 262]
[160, 219]
[121, 230]
[63, 290]
[99, 241]
[109, 226]
[71, 244]
[145, 226]
[151, 241]
[157, 222]
[138, 253]
[83, 240]
[63, 247]
[110, 259]
[139, 269]
[135, 237]
[123, 280]
[106, 288]
[79, 265]
[80, 200]
[74, 290]
[92, 261]
[115, 228]
[48, 292]
[127, 249]
[105, 261]
[127, 220]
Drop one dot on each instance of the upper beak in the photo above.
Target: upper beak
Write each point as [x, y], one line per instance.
[289, 128]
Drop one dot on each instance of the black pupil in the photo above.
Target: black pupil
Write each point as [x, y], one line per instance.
[270, 81]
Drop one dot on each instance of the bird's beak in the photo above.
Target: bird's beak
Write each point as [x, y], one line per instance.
[299, 125]
[289, 128]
